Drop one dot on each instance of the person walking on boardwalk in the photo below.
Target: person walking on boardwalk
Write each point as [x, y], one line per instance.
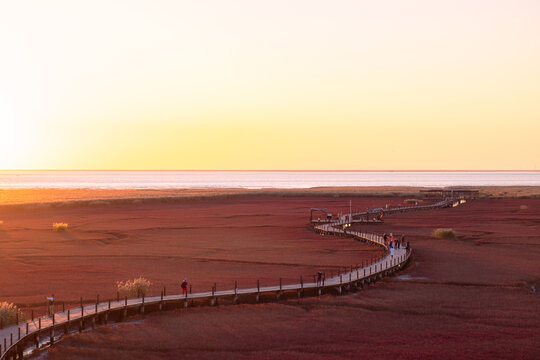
[50, 308]
[391, 252]
[319, 278]
[184, 287]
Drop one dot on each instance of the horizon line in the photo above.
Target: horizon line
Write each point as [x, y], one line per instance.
[263, 170]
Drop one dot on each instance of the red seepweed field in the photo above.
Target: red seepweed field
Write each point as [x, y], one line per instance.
[468, 297]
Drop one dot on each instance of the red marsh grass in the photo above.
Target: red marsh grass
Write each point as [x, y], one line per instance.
[469, 298]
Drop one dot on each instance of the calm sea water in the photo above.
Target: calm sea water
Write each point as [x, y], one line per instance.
[255, 179]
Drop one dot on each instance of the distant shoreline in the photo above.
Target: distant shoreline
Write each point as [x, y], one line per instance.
[188, 170]
[227, 181]
[64, 197]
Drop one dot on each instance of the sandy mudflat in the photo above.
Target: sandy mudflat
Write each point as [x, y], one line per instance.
[470, 297]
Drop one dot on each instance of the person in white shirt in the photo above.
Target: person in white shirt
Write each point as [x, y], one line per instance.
[51, 304]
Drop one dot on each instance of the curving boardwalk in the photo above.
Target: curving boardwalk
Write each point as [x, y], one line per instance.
[16, 338]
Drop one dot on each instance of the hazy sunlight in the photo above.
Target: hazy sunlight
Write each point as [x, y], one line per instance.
[269, 85]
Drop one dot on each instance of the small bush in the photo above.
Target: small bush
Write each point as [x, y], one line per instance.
[60, 226]
[8, 313]
[134, 288]
[444, 234]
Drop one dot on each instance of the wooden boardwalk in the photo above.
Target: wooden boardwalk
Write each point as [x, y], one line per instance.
[16, 338]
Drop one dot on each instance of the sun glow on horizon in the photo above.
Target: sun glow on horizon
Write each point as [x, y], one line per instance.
[269, 85]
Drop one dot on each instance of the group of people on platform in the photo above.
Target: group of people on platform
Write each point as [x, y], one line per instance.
[395, 242]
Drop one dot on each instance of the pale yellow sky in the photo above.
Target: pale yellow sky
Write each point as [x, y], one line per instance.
[270, 84]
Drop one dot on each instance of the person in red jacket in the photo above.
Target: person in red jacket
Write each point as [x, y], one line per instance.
[184, 286]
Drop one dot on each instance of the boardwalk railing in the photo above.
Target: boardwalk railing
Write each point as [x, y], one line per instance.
[15, 339]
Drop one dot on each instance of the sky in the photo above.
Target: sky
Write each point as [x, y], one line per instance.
[270, 85]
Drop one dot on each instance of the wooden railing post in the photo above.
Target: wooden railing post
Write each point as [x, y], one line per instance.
[213, 300]
[124, 312]
[142, 306]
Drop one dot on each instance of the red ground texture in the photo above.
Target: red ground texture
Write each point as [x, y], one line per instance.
[472, 297]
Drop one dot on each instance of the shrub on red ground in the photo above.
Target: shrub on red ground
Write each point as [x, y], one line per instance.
[60, 226]
[444, 234]
[8, 313]
[134, 288]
